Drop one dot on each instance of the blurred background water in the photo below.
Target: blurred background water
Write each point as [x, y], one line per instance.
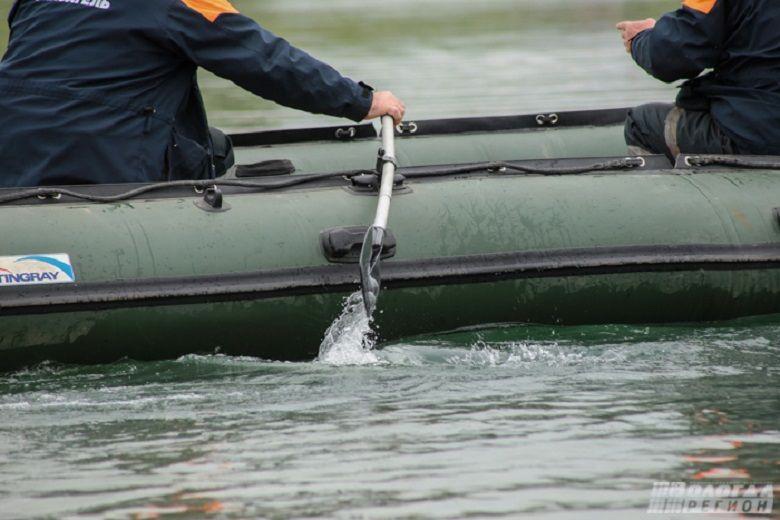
[516, 421]
[450, 58]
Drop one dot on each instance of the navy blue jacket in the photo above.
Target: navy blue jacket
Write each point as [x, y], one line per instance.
[740, 41]
[105, 91]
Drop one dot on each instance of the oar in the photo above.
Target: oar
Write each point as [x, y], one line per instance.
[371, 254]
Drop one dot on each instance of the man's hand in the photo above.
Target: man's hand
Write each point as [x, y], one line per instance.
[386, 104]
[629, 30]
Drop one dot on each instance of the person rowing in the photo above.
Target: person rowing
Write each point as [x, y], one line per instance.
[105, 91]
[733, 109]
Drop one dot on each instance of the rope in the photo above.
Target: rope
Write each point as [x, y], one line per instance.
[723, 160]
[299, 180]
[628, 163]
[296, 180]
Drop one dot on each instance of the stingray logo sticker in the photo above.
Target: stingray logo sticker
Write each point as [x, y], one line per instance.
[36, 270]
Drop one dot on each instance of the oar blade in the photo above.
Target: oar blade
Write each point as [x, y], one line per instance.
[370, 275]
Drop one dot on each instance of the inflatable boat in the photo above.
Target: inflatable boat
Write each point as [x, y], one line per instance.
[539, 218]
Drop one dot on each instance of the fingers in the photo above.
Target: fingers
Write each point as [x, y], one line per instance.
[397, 115]
[629, 29]
[385, 103]
[397, 112]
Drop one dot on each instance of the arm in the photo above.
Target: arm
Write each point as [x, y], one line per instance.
[212, 34]
[683, 43]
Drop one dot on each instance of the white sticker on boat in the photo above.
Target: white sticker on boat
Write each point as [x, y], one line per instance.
[36, 270]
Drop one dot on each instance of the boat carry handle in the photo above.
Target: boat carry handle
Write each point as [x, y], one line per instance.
[272, 168]
[342, 245]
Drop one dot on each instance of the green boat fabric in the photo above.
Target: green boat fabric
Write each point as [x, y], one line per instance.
[432, 150]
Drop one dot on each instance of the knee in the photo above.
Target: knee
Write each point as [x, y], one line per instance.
[630, 130]
[645, 126]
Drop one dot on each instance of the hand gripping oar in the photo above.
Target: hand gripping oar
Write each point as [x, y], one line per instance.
[371, 254]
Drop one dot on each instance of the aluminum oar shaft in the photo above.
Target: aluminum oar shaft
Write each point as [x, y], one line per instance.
[388, 173]
[371, 254]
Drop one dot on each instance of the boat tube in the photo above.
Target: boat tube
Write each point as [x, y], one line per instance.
[538, 218]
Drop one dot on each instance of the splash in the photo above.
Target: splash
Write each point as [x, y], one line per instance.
[348, 340]
[517, 354]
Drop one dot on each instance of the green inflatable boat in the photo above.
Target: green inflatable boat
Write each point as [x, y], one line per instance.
[539, 218]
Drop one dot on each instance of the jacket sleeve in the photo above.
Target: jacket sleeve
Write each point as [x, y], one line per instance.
[215, 36]
[683, 43]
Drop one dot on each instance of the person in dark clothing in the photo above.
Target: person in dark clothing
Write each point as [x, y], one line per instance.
[105, 91]
[734, 108]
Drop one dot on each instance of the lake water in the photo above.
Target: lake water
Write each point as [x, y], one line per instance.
[520, 421]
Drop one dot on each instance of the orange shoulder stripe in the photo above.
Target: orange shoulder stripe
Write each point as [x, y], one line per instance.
[210, 9]
[703, 6]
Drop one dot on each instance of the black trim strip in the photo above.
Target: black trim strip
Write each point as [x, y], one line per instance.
[304, 135]
[605, 117]
[413, 273]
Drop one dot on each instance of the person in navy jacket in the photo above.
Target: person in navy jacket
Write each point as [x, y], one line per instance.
[733, 108]
[105, 91]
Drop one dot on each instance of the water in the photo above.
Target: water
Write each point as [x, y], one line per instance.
[539, 422]
[449, 58]
[350, 339]
[552, 422]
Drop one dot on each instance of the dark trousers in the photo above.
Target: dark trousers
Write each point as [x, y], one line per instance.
[223, 151]
[661, 128]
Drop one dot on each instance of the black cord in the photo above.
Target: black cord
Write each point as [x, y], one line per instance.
[299, 180]
[724, 160]
[290, 182]
[617, 164]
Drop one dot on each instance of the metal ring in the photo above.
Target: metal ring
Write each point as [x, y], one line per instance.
[687, 161]
[55, 196]
[346, 133]
[545, 119]
[407, 128]
[199, 190]
[642, 160]
[495, 168]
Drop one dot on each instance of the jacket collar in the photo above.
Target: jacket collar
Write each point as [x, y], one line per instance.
[14, 9]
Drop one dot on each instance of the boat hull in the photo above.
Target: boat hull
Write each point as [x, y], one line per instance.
[160, 277]
[291, 328]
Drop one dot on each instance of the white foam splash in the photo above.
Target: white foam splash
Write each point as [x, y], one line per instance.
[516, 354]
[348, 340]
